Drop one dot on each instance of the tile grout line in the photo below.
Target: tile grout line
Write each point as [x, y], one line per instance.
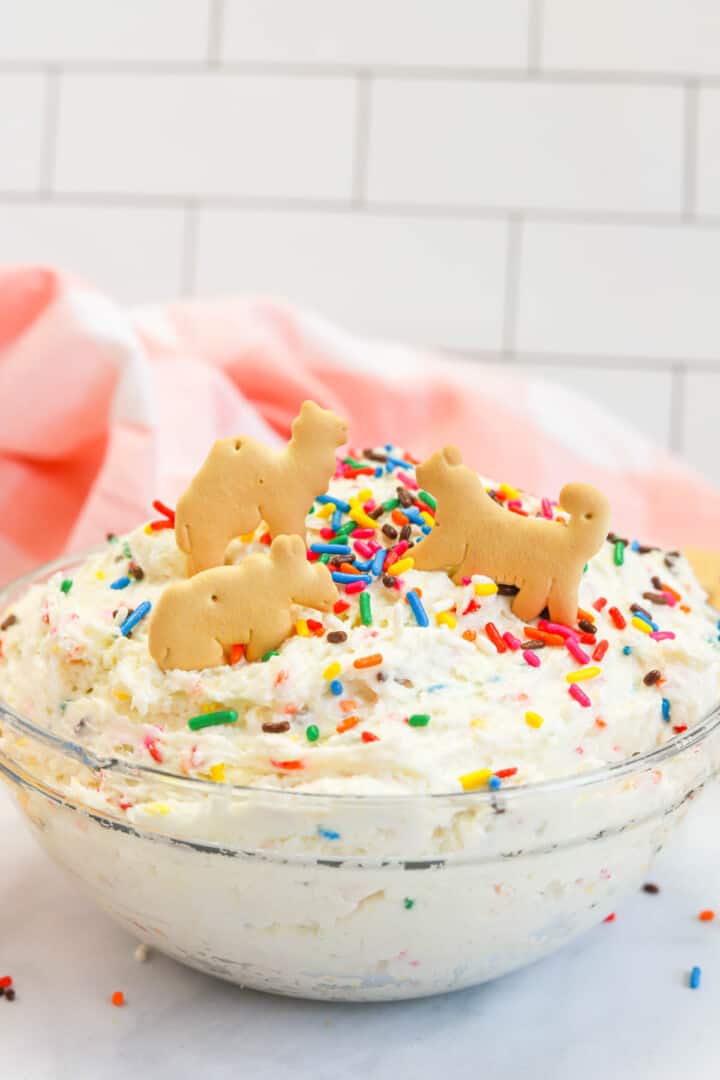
[676, 435]
[361, 141]
[216, 26]
[51, 120]
[188, 257]
[690, 149]
[512, 285]
[536, 14]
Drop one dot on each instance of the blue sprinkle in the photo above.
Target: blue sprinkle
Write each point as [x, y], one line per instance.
[336, 687]
[331, 549]
[137, 616]
[345, 579]
[645, 619]
[626, 650]
[378, 562]
[363, 564]
[336, 520]
[339, 503]
[436, 686]
[494, 783]
[427, 529]
[416, 605]
[399, 463]
[635, 546]
[389, 446]
[665, 709]
[695, 976]
[378, 472]
[328, 834]
[121, 583]
[413, 514]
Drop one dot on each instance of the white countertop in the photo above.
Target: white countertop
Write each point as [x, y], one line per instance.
[614, 1005]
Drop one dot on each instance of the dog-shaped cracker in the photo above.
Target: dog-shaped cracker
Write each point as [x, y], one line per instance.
[195, 622]
[242, 483]
[473, 535]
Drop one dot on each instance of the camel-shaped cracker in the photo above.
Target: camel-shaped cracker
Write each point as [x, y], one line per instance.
[242, 483]
[195, 622]
[474, 535]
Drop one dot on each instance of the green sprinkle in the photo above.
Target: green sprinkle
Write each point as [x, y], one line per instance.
[346, 529]
[126, 550]
[585, 568]
[268, 655]
[419, 719]
[312, 733]
[354, 464]
[324, 558]
[66, 586]
[365, 609]
[427, 498]
[391, 504]
[619, 554]
[213, 719]
[409, 904]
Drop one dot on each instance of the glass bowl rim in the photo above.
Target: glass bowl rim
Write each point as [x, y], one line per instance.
[628, 767]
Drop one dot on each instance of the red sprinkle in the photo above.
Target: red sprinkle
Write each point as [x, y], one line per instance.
[5, 982]
[610, 917]
[152, 748]
[354, 587]
[367, 736]
[474, 605]
[294, 764]
[164, 510]
[118, 999]
[158, 526]
[617, 617]
[339, 606]
[504, 773]
[237, 652]
[600, 603]
[600, 649]
[679, 728]
[493, 634]
[327, 534]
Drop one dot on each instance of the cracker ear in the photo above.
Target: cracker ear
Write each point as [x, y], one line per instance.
[288, 548]
[452, 455]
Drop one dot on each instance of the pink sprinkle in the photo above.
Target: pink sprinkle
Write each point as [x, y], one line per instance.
[574, 649]
[511, 641]
[327, 534]
[374, 546]
[394, 553]
[580, 696]
[354, 587]
[369, 505]
[466, 580]
[514, 504]
[557, 628]
[362, 549]
[363, 534]
[672, 600]
[663, 635]
[407, 481]
[546, 509]
[530, 657]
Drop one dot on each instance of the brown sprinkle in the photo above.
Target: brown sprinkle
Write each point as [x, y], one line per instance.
[277, 728]
[136, 571]
[508, 590]
[651, 887]
[390, 531]
[389, 581]
[406, 532]
[655, 598]
[336, 637]
[10, 621]
[587, 626]
[404, 497]
[533, 644]
[10, 994]
[374, 455]
[377, 512]
[652, 677]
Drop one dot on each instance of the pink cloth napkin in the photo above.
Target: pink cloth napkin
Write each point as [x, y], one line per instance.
[103, 409]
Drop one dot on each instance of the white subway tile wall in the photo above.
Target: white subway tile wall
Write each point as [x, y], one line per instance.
[531, 182]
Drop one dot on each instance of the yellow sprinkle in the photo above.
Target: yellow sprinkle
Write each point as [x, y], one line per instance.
[446, 618]
[359, 516]
[582, 674]
[217, 773]
[326, 511]
[478, 722]
[362, 496]
[147, 530]
[100, 575]
[427, 518]
[401, 566]
[472, 780]
[332, 671]
[247, 537]
[533, 719]
[301, 627]
[640, 624]
[511, 492]
[159, 808]
[211, 706]
[121, 695]
[485, 588]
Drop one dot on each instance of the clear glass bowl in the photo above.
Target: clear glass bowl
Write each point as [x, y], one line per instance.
[346, 897]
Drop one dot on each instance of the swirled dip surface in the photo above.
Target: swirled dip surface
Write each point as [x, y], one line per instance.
[437, 709]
